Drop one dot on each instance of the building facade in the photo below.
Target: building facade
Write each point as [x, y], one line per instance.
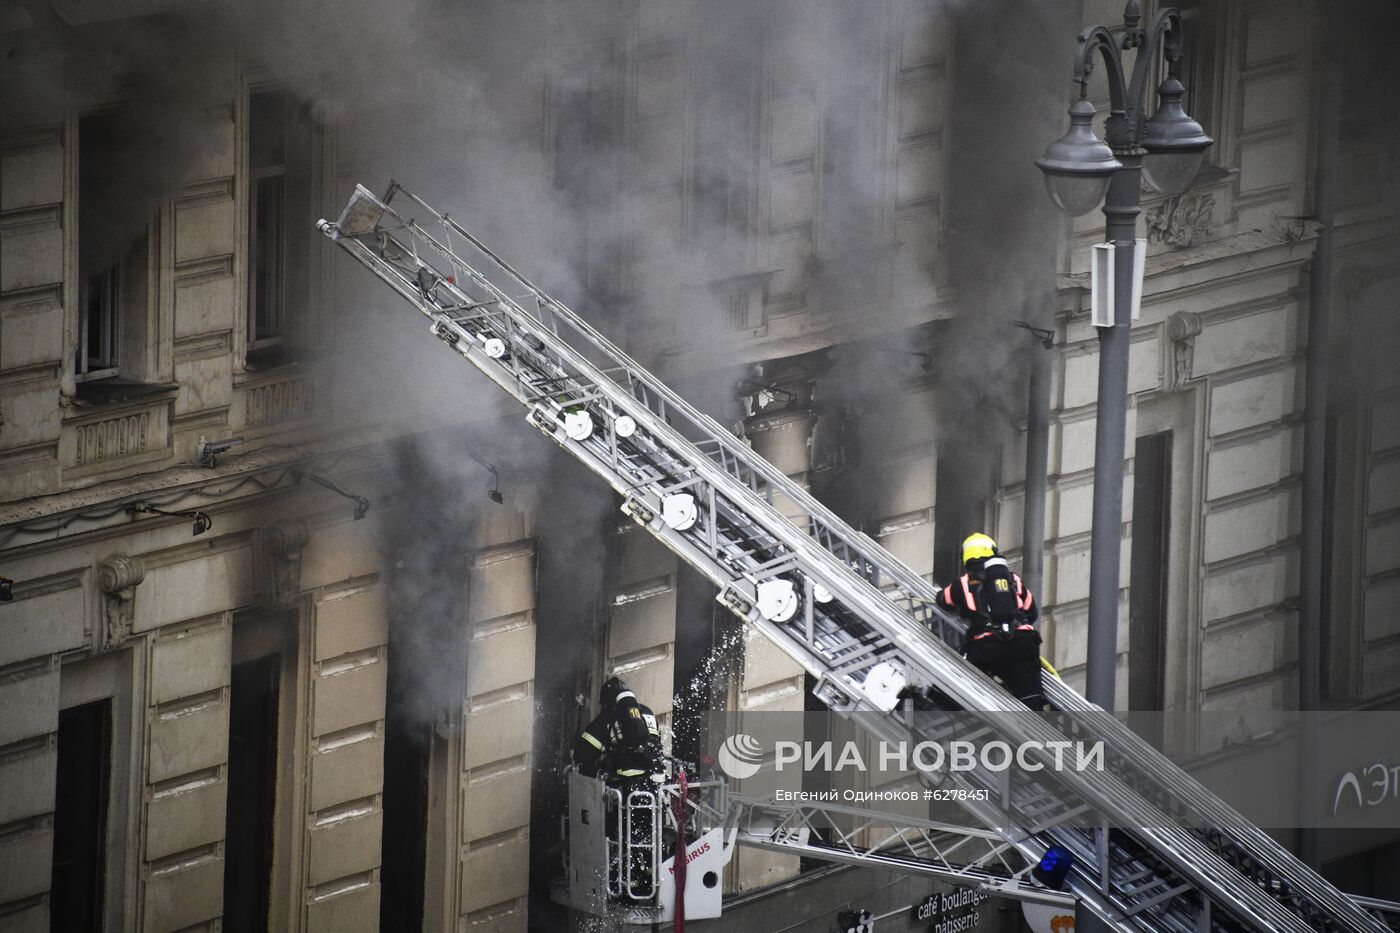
[233, 693]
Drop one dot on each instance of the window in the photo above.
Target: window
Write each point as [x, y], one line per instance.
[278, 212]
[1368, 80]
[1201, 22]
[252, 792]
[1151, 550]
[408, 749]
[97, 338]
[113, 241]
[1203, 72]
[80, 817]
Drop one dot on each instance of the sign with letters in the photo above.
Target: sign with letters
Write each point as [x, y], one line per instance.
[953, 912]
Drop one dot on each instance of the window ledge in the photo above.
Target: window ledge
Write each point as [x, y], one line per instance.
[271, 358]
[102, 392]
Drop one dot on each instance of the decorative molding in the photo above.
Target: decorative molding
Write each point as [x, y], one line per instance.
[200, 192]
[113, 438]
[117, 579]
[277, 402]
[216, 418]
[744, 296]
[1182, 221]
[204, 346]
[44, 453]
[1183, 328]
[35, 140]
[204, 269]
[26, 220]
[119, 425]
[37, 299]
[285, 541]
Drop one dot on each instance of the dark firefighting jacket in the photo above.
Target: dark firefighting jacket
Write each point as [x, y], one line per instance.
[622, 741]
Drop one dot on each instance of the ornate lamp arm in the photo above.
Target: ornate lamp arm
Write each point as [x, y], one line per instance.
[1100, 39]
[1126, 96]
[1166, 30]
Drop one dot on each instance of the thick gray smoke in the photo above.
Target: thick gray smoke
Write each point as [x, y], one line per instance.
[1012, 85]
[518, 117]
[515, 115]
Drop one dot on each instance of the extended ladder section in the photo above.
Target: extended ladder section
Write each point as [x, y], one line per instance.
[1153, 849]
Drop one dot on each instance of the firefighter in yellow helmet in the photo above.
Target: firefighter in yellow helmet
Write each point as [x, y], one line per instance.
[1000, 613]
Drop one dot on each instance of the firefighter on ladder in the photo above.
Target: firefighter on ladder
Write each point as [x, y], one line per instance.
[1000, 612]
[622, 745]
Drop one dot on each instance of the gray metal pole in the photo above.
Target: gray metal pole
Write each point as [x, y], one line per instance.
[1037, 466]
[1121, 210]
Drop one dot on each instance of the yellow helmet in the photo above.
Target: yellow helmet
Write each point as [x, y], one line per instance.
[977, 546]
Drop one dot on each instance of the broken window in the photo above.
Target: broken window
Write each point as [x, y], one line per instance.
[113, 250]
[278, 213]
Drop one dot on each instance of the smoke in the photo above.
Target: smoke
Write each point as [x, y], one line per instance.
[559, 132]
[1003, 243]
[650, 165]
[630, 160]
[427, 539]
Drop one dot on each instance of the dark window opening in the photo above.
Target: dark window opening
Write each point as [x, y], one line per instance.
[269, 196]
[1368, 81]
[1201, 22]
[1147, 604]
[278, 207]
[408, 738]
[702, 664]
[962, 488]
[252, 793]
[99, 322]
[80, 817]
[113, 247]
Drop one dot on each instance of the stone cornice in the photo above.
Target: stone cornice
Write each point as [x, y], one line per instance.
[1220, 260]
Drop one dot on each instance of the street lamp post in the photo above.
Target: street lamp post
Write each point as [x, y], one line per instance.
[1079, 168]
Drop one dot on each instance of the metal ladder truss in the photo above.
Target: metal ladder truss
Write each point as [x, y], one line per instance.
[960, 855]
[833, 599]
[1387, 911]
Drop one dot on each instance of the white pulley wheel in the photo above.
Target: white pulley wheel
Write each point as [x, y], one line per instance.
[578, 425]
[820, 593]
[625, 426]
[777, 600]
[678, 511]
[882, 685]
[495, 347]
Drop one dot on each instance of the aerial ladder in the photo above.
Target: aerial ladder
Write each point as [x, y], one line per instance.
[1153, 849]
